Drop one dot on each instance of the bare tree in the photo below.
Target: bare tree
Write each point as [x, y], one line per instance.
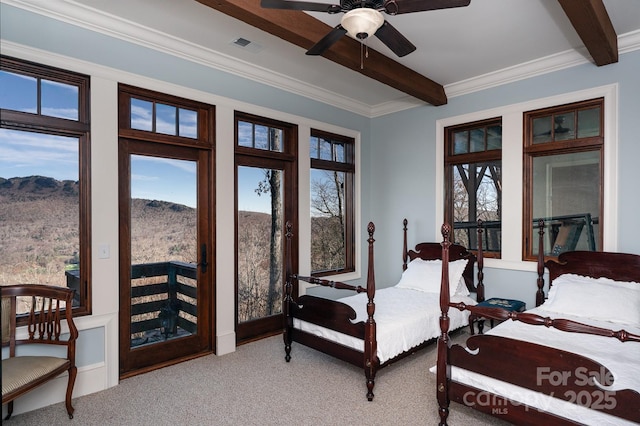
[327, 223]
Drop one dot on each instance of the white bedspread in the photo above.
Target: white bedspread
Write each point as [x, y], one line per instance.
[404, 319]
[622, 359]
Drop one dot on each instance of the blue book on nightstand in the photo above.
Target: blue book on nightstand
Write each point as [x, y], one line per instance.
[508, 304]
[496, 302]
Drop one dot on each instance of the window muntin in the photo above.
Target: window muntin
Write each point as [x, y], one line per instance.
[473, 174]
[44, 159]
[564, 177]
[332, 204]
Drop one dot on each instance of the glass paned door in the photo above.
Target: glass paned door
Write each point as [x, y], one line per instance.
[164, 291]
[164, 249]
[260, 234]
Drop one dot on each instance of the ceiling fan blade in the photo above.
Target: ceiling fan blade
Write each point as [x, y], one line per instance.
[327, 41]
[396, 7]
[300, 5]
[394, 40]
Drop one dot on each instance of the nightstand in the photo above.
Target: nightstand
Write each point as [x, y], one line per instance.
[511, 305]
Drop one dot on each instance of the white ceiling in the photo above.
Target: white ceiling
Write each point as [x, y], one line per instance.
[464, 49]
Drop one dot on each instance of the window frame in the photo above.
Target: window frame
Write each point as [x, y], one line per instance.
[532, 150]
[512, 166]
[287, 161]
[80, 129]
[349, 168]
[452, 160]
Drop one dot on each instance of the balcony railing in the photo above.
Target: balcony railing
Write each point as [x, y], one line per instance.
[163, 301]
[574, 227]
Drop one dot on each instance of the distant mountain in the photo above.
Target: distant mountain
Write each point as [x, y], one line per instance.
[37, 186]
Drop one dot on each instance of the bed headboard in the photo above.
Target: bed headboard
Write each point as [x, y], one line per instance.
[431, 251]
[594, 264]
[617, 266]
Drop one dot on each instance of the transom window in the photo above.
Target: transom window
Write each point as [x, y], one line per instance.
[145, 114]
[259, 136]
[332, 203]
[44, 178]
[564, 149]
[157, 117]
[473, 176]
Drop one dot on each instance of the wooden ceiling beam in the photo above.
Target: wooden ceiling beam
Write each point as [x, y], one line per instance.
[304, 30]
[592, 23]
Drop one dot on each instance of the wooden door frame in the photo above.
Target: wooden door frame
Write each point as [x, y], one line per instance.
[204, 342]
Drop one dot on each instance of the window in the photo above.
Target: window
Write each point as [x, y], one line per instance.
[563, 151]
[332, 200]
[44, 183]
[473, 179]
[266, 198]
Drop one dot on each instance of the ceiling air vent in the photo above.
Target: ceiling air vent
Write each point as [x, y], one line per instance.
[247, 45]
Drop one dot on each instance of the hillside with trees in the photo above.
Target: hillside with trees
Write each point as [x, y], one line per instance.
[39, 229]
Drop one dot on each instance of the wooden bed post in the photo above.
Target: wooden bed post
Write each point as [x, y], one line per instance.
[540, 282]
[405, 252]
[480, 259]
[442, 381]
[286, 314]
[371, 350]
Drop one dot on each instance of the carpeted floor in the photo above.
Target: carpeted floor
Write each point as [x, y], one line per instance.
[255, 386]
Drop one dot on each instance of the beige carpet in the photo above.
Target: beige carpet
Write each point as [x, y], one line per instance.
[255, 386]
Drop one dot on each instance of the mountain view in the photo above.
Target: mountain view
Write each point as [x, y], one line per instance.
[39, 236]
[38, 229]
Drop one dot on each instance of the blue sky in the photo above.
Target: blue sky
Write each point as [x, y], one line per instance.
[26, 154]
[164, 179]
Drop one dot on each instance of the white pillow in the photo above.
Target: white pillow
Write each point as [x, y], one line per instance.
[425, 275]
[599, 299]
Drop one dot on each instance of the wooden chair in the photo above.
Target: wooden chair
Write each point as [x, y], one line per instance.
[47, 306]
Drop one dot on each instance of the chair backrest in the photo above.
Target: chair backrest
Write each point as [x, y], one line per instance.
[46, 307]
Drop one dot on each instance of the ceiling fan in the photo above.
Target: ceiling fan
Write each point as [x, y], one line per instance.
[363, 18]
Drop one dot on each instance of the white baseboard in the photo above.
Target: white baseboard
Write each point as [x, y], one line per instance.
[225, 343]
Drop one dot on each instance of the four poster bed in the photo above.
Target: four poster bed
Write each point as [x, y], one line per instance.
[402, 319]
[582, 367]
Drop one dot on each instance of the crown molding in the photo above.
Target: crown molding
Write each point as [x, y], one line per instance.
[79, 15]
[567, 59]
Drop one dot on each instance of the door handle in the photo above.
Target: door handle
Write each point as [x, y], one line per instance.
[203, 258]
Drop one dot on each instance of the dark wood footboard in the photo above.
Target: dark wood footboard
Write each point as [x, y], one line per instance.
[549, 371]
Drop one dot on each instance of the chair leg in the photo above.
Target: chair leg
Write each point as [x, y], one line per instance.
[9, 410]
[73, 371]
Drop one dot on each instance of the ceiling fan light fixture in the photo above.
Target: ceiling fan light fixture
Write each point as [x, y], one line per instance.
[362, 22]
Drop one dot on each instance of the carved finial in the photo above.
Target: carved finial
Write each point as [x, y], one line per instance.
[371, 229]
[446, 230]
[540, 227]
[405, 222]
[289, 228]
